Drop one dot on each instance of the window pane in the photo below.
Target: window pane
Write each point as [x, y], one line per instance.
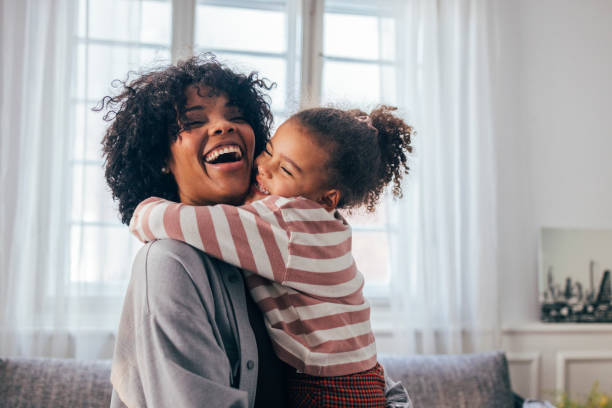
[101, 254]
[361, 218]
[388, 93]
[371, 252]
[82, 24]
[274, 69]
[89, 130]
[351, 83]
[351, 36]
[107, 63]
[96, 127]
[241, 29]
[91, 197]
[78, 146]
[131, 20]
[156, 22]
[387, 32]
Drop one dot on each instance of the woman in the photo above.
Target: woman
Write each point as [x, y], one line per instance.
[189, 334]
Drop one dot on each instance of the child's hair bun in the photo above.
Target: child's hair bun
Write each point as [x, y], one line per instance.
[394, 140]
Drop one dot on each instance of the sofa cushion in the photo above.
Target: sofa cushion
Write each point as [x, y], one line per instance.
[31, 382]
[468, 380]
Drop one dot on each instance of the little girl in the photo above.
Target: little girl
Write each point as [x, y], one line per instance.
[295, 247]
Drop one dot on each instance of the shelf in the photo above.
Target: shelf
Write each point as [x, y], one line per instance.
[540, 327]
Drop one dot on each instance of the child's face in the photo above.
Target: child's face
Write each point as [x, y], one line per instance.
[293, 165]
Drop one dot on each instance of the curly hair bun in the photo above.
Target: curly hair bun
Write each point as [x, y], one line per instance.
[394, 140]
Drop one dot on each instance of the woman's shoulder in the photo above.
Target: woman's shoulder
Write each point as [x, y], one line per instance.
[168, 271]
[168, 251]
[173, 269]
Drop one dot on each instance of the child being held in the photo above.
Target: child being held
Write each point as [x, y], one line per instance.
[295, 247]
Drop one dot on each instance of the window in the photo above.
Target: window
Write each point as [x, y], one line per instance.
[343, 53]
[113, 38]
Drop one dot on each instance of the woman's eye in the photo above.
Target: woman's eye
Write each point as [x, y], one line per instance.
[286, 171]
[266, 151]
[192, 125]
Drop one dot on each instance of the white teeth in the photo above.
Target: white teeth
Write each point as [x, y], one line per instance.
[212, 156]
[262, 189]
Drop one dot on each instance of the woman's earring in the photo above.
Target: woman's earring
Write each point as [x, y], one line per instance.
[165, 170]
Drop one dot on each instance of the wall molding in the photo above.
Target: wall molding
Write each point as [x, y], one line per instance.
[550, 328]
[534, 360]
[564, 357]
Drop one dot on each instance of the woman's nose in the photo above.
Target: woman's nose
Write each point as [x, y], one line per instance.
[221, 127]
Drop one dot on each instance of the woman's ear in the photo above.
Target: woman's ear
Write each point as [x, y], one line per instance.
[330, 199]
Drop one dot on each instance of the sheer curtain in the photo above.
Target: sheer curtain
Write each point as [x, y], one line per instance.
[444, 254]
[37, 68]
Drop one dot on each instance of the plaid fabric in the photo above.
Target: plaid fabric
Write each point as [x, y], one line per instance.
[364, 389]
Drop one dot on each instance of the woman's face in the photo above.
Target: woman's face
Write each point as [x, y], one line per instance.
[212, 158]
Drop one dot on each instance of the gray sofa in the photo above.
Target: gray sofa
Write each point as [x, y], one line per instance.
[473, 380]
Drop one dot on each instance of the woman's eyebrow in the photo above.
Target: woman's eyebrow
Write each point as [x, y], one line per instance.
[232, 105]
[192, 108]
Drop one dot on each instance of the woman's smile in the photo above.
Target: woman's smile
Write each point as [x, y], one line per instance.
[212, 158]
[225, 156]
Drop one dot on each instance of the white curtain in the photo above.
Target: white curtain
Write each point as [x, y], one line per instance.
[37, 42]
[444, 251]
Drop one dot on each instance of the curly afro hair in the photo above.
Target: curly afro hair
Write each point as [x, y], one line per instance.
[366, 152]
[145, 119]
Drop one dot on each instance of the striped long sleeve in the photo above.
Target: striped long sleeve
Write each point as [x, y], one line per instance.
[299, 268]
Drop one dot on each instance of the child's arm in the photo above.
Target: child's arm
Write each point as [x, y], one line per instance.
[292, 241]
[249, 237]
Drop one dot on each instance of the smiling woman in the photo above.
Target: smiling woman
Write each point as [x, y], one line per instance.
[188, 330]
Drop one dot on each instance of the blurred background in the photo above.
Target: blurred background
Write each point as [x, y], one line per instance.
[510, 101]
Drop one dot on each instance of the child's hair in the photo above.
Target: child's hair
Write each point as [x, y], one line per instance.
[366, 152]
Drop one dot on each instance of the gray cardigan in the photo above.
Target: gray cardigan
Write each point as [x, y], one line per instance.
[184, 337]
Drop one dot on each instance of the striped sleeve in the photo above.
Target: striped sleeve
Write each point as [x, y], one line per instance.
[251, 237]
[293, 241]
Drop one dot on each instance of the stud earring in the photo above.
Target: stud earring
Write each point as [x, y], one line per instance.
[165, 170]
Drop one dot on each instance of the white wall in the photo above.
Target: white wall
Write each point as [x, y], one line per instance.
[554, 90]
[553, 82]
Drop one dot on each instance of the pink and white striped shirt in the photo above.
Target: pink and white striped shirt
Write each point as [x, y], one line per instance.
[298, 265]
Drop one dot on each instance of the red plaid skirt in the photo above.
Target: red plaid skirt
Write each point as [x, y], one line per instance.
[364, 389]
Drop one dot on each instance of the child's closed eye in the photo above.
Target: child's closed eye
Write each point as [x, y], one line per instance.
[287, 171]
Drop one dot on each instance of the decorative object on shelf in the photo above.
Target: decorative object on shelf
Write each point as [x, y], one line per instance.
[575, 281]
